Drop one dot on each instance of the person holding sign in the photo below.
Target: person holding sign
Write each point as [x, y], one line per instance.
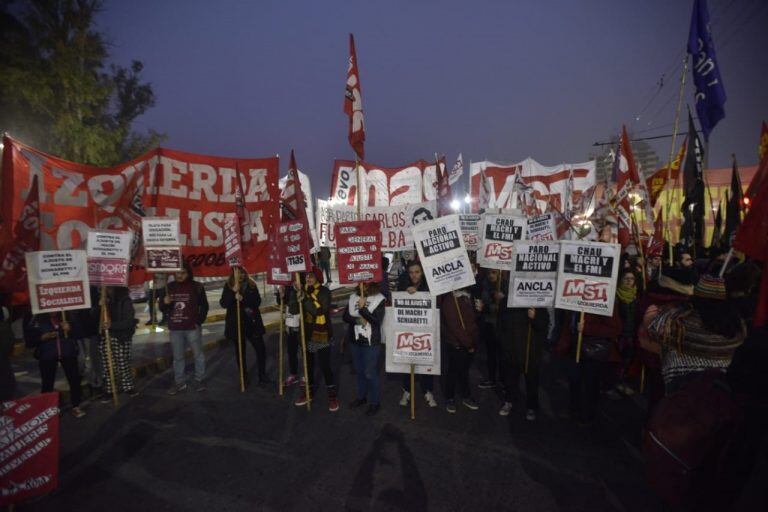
[365, 316]
[416, 283]
[488, 306]
[287, 295]
[459, 333]
[316, 300]
[186, 304]
[54, 342]
[121, 324]
[245, 291]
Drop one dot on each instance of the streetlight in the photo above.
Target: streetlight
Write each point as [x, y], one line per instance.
[455, 205]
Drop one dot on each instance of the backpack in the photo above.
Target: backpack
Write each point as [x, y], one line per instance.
[686, 440]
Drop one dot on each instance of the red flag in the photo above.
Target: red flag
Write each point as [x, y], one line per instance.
[443, 192]
[752, 240]
[626, 177]
[762, 170]
[26, 238]
[655, 245]
[292, 201]
[353, 103]
[762, 150]
[243, 216]
[656, 182]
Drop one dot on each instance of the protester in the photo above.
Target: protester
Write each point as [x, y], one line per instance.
[488, 306]
[187, 307]
[88, 354]
[459, 333]
[586, 378]
[698, 335]
[627, 301]
[287, 295]
[54, 342]
[245, 295]
[316, 301]
[521, 333]
[324, 262]
[7, 378]
[365, 316]
[416, 282]
[121, 322]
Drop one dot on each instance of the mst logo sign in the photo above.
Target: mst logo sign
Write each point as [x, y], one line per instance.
[414, 342]
[596, 292]
[499, 251]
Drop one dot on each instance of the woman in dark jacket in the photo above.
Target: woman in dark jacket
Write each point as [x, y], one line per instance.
[459, 333]
[251, 324]
[365, 316]
[54, 342]
[288, 296]
[121, 322]
[490, 296]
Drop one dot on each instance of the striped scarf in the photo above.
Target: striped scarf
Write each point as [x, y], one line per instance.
[318, 322]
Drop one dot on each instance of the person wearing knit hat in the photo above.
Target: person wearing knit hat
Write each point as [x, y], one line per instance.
[701, 334]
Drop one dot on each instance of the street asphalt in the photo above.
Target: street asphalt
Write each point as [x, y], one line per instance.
[225, 450]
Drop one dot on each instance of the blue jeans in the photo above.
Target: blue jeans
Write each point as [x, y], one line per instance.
[179, 340]
[366, 360]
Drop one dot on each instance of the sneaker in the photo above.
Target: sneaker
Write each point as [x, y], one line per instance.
[176, 389]
[450, 406]
[78, 412]
[405, 399]
[430, 398]
[625, 390]
[333, 404]
[302, 380]
[354, 404]
[469, 403]
[487, 384]
[505, 409]
[372, 409]
[199, 386]
[612, 394]
[133, 392]
[302, 400]
[105, 398]
[530, 415]
[292, 379]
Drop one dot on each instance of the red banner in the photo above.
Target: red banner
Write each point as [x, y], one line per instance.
[29, 447]
[358, 251]
[197, 189]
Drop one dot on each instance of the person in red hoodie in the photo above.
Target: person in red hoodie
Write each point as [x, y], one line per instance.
[598, 351]
[459, 333]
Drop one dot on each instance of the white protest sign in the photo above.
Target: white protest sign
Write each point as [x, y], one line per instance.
[534, 276]
[328, 214]
[442, 254]
[470, 230]
[542, 227]
[160, 231]
[397, 221]
[109, 253]
[500, 230]
[413, 328]
[58, 280]
[586, 276]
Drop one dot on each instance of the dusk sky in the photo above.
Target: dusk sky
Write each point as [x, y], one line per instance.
[495, 80]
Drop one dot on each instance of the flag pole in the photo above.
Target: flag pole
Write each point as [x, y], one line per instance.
[578, 342]
[303, 345]
[413, 391]
[280, 348]
[108, 344]
[672, 193]
[528, 348]
[239, 331]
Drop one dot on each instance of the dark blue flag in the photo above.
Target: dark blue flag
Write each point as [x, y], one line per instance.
[710, 93]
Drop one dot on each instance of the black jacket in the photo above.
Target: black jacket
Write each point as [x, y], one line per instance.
[122, 316]
[251, 323]
[56, 349]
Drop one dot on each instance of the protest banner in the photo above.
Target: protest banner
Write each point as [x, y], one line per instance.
[109, 254]
[533, 278]
[586, 276]
[233, 247]
[163, 259]
[499, 233]
[29, 447]
[58, 281]
[196, 189]
[277, 273]
[328, 214]
[358, 252]
[542, 227]
[160, 231]
[442, 254]
[470, 230]
[413, 321]
[293, 243]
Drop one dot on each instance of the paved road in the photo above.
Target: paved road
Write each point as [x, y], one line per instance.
[223, 450]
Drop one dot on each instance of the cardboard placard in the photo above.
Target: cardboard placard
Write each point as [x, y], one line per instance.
[160, 231]
[470, 230]
[293, 242]
[533, 279]
[163, 259]
[442, 255]
[109, 254]
[413, 321]
[233, 247]
[58, 280]
[542, 227]
[358, 251]
[500, 230]
[587, 275]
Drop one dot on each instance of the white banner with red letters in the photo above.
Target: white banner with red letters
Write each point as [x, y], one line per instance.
[58, 281]
[533, 278]
[358, 251]
[109, 255]
[412, 326]
[500, 230]
[587, 275]
[442, 254]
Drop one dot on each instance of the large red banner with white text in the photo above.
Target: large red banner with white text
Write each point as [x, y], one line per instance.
[197, 189]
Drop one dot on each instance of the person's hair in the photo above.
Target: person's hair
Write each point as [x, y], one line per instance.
[186, 266]
[421, 210]
[414, 263]
[718, 316]
[248, 279]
